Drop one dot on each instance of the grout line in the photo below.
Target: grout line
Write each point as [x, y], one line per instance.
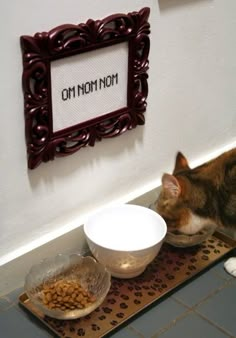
[219, 276]
[122, 328]
[193, 309]
[172, 323]
[179, 301]
[203, 300]
[214, 324]
[185, 314]
[210, 295]
[135, 331]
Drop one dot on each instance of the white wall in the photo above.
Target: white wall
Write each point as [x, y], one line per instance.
[191, 107]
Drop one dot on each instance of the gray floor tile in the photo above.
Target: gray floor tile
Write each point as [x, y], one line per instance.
[193, 326]
[199, 288]
[157, 317]
[14, 295]
[126, 333]
[221, 308]
[4, 304]
[15, 323]
[233, 281]
[219, 270]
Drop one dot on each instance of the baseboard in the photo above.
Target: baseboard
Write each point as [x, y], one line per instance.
[16, 266]
[13, 273]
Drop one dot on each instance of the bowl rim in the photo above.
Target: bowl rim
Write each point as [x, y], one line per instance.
[185, 240]
[118, 206]
[75, 313]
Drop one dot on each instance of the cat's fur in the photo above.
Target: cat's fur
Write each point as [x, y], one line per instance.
[193, 198]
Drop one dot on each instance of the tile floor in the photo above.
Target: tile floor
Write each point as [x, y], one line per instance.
[205, 307]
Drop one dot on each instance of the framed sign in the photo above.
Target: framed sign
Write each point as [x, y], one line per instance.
[83, 83]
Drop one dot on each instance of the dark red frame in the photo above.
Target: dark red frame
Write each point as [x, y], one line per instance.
[67, 40]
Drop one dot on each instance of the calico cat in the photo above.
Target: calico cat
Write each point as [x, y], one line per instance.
[190, 199]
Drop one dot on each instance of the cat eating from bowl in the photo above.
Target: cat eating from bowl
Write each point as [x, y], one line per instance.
[191, 199]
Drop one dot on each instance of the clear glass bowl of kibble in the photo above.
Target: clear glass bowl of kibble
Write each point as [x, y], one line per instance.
[67, 286]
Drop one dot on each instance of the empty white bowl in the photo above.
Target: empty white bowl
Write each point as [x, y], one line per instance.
[125, 238]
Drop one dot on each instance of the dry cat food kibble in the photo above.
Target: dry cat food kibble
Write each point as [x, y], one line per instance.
[66, 295]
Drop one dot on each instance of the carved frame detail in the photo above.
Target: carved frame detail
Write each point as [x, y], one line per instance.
[66, 40]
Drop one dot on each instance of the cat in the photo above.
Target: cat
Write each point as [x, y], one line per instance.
[190, 199]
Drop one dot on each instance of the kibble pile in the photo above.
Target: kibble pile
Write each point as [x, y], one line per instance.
[66, 295]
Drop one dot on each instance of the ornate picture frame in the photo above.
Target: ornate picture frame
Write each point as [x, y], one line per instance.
[43, 51]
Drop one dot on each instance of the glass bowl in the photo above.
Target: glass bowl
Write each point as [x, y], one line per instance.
[67, 286]
[181, 240]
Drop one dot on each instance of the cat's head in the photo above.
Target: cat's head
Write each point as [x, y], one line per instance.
[177, 198]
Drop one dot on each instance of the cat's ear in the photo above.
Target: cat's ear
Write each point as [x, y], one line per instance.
[181, 163]
[171, 185]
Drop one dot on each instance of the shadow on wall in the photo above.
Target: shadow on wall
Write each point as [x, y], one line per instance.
[171, 4]
[86, 158]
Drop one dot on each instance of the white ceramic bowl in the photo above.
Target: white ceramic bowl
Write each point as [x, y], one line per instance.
[125, 238]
